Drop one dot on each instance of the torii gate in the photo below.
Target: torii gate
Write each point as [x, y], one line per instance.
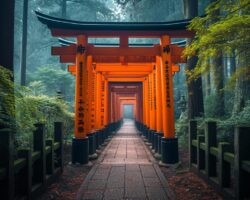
[99, 71]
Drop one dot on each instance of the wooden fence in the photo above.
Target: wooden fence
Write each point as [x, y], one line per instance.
[223, 165]
[33, 170]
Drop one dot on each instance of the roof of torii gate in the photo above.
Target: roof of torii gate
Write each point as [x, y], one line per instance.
[71, 28]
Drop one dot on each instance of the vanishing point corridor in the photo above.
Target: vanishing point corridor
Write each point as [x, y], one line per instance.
[125, 170]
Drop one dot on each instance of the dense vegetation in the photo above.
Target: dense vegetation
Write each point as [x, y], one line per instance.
[221, 45]
[30, 108]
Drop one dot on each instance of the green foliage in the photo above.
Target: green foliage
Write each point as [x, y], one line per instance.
[40, 109]
[27, 109]
[212, 106]
[7, 107]
[49, 79]
[222, 32]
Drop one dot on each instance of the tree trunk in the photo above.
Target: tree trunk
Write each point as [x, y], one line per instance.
[7, 9]
[242, 87]
[195, 95]
[24, 43]
[218, 74]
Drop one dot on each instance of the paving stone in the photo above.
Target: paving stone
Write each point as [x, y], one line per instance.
[132, 167]
[97, 184]
[101, 174]
[114, 194]
[125, 171]
[156, 193]
[152, 182]
[93, 195]
[148, 171]
[135, 192]
[116, 182]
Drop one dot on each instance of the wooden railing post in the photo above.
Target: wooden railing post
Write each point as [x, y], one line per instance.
[7, 189]
[211, 141]
[192, 136]
[58, 137]
[200, 153]
[242, 152]
[25, 182]
[39, 167]
[224, 171]
[50, 157]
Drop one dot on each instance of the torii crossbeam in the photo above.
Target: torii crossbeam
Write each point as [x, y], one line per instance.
[108, 77]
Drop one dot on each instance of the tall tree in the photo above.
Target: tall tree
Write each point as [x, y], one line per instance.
[195, 95]
[7, 33]
[228, 33]
[218, 74]
[24, 43]
[7, 10]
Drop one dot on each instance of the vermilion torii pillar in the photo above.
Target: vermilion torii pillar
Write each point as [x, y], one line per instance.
[122, 63]
[169, 141]
[80, 141]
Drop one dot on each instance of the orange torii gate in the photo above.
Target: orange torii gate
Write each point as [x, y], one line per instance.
[102, 71]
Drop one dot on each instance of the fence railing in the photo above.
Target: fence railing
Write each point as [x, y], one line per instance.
[34, 169]
[225, 166]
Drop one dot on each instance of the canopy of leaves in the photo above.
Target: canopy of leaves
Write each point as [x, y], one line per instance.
[225, 32]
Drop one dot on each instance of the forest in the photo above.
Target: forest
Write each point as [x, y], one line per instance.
[211, 87]
[221, 75]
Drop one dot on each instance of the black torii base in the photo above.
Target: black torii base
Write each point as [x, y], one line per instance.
[80, 150]
[169, 151]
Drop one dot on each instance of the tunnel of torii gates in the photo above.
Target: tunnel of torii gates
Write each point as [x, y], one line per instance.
[108, 77]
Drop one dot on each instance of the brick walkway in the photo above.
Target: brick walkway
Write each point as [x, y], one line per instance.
[125, 170]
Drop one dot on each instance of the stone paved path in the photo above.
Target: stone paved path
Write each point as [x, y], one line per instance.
[125, 170]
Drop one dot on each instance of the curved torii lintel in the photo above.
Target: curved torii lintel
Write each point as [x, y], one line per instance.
[70, 28]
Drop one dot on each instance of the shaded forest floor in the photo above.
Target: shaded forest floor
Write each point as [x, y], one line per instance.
[186, 185]
[67, 185]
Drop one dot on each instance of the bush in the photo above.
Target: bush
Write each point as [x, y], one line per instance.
[40, 109]
[20, 109]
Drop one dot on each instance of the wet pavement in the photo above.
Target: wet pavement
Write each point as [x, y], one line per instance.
[125, 170]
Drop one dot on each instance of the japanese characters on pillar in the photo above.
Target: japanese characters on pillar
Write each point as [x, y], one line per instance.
[93, 97]
[102, 101]
[147, 102]
[167, 88]
[105, 102]
[90, 94]
[98, 99]
[80, 93]
[158, 95]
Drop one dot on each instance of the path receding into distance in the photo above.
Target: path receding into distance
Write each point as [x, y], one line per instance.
[125, 170]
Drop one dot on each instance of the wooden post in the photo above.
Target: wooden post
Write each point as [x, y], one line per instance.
[25, 185]
[7, 164]
[98, 99]
[224, 171]
[58, 137]
[158, 95]
[201, 162]
[93, 102]
[90, 93]
[39, 167]
[192, 136]
[102, 113]
[170, 154]
[167, 89]
[50, 157]
[242, 153]
[211, 141]
[106, 102]
[80, 93]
